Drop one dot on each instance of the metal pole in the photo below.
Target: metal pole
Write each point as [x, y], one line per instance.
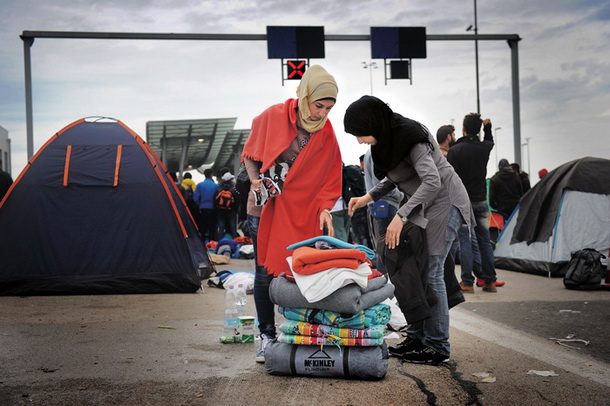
[476, 55]
[529, 168]
[27, 63]
[29, 36]
[514, 56]
[496, 143]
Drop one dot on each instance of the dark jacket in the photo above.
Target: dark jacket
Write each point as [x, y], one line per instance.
[407, 267]
[505, 190]
[469, 158]
[525, 181]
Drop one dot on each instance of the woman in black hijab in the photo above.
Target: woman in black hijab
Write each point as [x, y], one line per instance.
[405, 155]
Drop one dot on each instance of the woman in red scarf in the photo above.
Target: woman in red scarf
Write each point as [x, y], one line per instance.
[295, 139]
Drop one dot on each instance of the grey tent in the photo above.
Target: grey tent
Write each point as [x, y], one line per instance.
[568, 210]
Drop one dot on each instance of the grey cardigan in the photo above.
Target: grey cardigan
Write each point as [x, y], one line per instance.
[432, 186]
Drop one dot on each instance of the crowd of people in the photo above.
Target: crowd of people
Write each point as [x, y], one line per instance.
[425, 194]
[213, 204]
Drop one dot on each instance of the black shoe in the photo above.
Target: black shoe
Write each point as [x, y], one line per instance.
[407, 345]
[425, 355]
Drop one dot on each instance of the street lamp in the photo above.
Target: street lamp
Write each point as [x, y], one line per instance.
[371, 66]
[496, 143]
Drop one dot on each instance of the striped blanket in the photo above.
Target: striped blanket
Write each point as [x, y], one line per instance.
[328, 340]
[308, 329]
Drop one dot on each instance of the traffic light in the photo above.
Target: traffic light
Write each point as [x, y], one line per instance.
[296, 69]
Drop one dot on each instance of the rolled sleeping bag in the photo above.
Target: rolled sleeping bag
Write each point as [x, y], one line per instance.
[366, 363]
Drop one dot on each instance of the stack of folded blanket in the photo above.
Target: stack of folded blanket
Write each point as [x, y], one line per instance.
[333, 298]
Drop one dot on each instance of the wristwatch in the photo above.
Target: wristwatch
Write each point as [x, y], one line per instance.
[404, 219]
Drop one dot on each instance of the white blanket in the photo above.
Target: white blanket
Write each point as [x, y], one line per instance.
[322, 284]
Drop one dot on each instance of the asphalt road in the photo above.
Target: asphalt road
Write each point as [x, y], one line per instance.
[164, 350]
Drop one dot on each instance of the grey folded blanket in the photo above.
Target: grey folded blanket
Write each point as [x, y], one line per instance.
[349, 299]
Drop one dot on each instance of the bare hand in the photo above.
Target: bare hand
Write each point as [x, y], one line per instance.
[392, 234]
[357, 202]
[327, 219]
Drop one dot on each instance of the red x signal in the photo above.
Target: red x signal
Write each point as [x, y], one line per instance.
[296, 69]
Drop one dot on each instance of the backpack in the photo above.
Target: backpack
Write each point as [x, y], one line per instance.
[224, 199]
[353, 183]
[188, 195]
[584, 270]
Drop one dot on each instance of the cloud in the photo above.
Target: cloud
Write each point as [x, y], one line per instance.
[563, 68]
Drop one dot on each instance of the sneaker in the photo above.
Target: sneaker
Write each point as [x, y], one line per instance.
[407, 345]
[425, 355]
[466, 288]
[260, 355]
[481, 282]
[490, 287]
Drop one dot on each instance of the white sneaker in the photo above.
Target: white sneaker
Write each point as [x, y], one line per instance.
[260, 355]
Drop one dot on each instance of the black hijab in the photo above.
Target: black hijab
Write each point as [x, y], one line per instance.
[396, 135]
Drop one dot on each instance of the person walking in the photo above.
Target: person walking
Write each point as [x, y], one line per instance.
[294, 163]
[524, 176]
[469, 157]
[405, 155]
[204, 197]
[226, 207]
[505, 189]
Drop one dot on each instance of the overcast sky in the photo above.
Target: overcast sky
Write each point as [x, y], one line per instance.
[564, 67]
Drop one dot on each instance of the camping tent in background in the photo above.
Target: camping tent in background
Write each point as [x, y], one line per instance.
[568, 210]
[95, 212]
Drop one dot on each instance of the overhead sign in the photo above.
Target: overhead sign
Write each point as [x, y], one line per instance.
[398, 42]
[295, 42]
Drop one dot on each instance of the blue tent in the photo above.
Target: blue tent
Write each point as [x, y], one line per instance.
[95, 212]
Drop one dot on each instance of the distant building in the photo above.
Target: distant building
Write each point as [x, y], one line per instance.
[5, 149]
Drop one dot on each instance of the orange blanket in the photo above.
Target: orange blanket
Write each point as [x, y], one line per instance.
[308, 260]
[313, 183]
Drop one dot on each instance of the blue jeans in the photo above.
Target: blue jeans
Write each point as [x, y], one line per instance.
[477, 244]
[265, 309]
[434, 331]
[382, 226]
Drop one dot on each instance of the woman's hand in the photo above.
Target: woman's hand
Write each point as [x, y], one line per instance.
[357, 202]
[255, 184]
[392, 234]
[327, 219]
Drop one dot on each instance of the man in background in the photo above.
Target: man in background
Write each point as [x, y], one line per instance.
[445, 136]
[204, 197]
[505, 189]
[469, 157]
[524, 176]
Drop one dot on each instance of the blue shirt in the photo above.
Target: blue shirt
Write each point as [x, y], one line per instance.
[205, 193]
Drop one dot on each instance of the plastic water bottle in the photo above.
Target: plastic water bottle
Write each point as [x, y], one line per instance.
[231, 321]
[241, 300]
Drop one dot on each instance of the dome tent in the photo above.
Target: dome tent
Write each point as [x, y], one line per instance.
[568, 210]
[95, 212]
